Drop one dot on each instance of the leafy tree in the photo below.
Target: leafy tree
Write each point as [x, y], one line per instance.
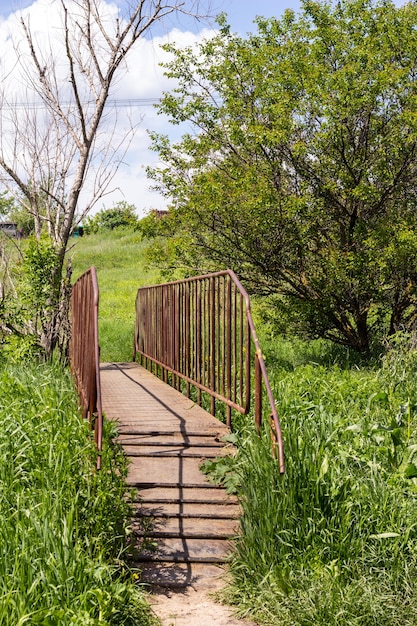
[121, 214]
[301, 173]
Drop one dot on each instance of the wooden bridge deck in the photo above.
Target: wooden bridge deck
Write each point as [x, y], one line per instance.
[166, 437]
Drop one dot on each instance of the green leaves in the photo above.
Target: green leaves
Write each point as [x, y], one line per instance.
[121, 214]
[222, 471]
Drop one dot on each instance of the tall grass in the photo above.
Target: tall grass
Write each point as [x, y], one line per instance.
[333, 541]
[61, 524]
[119, 257]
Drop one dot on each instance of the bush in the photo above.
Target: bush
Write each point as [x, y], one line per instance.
[121, 215]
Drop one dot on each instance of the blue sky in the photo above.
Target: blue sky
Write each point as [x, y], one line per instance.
[242, 13]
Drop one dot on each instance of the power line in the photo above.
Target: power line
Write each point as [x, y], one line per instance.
[118, 103]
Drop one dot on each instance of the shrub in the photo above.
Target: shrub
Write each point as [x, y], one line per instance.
[121, 214]
[334, 540]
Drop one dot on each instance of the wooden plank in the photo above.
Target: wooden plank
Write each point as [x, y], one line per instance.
[131, 394]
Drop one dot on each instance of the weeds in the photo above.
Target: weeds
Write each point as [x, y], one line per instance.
[61, 525]
[334, 540]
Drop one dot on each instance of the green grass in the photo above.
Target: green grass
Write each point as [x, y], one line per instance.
[61, 524]
[119, 258]
[333, 541]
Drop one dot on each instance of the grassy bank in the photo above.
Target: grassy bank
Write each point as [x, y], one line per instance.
[61, 523]
[333, 541]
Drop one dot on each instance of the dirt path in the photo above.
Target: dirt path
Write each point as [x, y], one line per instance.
[193, 608]
[194, 604]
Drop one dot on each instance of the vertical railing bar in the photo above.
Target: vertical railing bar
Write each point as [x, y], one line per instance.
[162, 359]
[193, 327]
[258, 394]
[179, 344]
[219, 333]
[156, 338]
[183, 339]
[153, 335]
[193, 320]
[241, 363]
[222, 348]
[202, 346]
[178, 335]
[187, 338]
[147, 301]
[248, 366]
[213, 343]
[198, 346]
[207, 333]
[150, 335]
[228, 349]
[157, 294]
[235, 347]
[173, 330]
[165, 337]
[151, 315]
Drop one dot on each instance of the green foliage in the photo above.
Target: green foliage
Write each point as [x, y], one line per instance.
[6, 205]
[120, 215]
[39, 273]
[34, 319]
[334, 540]
[154, 225]
[61, 524]
[23, 218]
[301, 173]
[222, 469]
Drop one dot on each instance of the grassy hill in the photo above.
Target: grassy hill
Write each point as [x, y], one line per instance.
[119, 258]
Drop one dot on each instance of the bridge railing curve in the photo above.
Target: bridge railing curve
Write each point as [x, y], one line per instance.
[85, 353]
[200, 330]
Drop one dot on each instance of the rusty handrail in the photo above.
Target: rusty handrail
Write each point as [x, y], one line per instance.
[200, 331]
[85, 353]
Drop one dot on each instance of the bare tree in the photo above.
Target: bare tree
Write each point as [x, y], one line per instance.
[65, 131]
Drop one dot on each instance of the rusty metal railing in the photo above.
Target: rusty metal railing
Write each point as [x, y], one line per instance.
[84, 352]
[200, 330]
